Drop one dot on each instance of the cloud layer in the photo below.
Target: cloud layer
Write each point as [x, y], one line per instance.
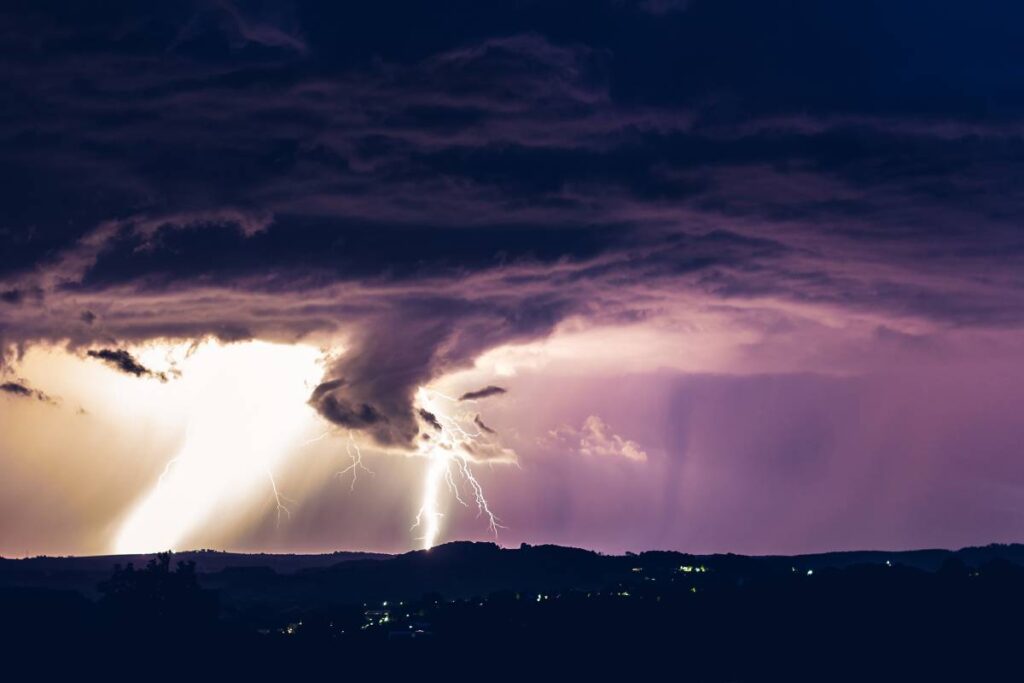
[713, 187]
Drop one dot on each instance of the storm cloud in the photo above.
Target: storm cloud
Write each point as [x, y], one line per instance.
[480, 423]
[429, 418]
[21, 390]
[122, 361]
[305, 172]
[490, 390]
[375, 380]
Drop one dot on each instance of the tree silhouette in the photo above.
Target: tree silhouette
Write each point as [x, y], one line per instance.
[158, 598]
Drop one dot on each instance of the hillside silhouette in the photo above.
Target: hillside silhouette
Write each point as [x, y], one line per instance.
[917, 615]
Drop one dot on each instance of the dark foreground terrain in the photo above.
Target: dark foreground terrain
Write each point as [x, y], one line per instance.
[468, 610]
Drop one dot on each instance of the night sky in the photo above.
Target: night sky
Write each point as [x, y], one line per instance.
[717, 275]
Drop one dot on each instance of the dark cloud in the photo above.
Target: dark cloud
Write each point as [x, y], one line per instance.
[338, 410]
[429, 418]
[22, 390]
[121, 360]
[87, 317]
[324, 388]
[15, 388]
[382, 370]
[346, 414]
[490, 390]
[480, 423]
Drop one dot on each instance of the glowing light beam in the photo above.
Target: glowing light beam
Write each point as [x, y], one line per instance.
[246, 405]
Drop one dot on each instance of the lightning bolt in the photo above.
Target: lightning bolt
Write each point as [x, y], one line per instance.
[455, 442]
[278, 498]
[450, 451]
[167, 470]
[356, 455]
[320, 437]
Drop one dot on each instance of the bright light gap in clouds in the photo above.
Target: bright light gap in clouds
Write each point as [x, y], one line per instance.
[242, 408]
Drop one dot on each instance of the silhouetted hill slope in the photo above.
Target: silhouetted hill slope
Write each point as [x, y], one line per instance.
[206, 560]
[462, 569]
[83, 573]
